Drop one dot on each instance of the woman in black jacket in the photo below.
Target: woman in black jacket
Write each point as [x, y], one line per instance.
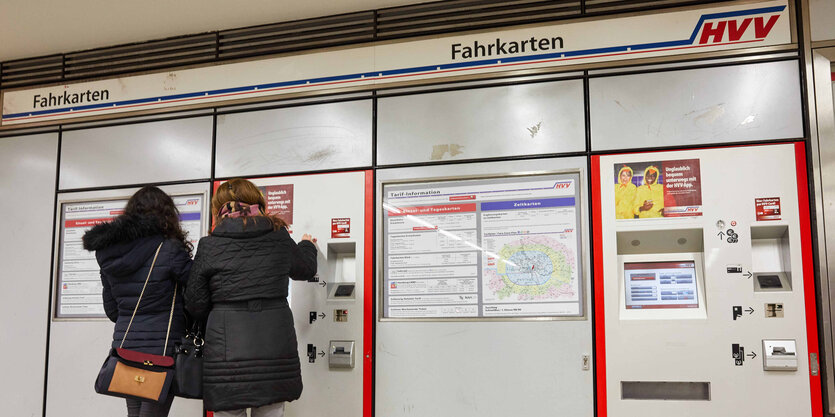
[239, 283]
[125, 249]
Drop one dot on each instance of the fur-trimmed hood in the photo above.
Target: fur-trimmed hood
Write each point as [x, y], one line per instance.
[122, 229]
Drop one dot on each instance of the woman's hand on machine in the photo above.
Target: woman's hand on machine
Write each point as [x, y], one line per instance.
[309, 238]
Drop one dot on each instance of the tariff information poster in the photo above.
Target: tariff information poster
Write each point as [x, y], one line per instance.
[79, 292]
[499, 247]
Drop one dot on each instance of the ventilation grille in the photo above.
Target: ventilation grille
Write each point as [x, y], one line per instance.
[346, 29]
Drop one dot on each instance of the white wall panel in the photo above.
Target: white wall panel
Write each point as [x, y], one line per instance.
[695, 107]
[27, 183]
[171, 150]
[524, 119]
[294, 139]
[487, 368]
[822, 16]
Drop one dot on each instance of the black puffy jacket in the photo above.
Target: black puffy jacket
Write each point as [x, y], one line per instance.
[239, 284]
[125, 249]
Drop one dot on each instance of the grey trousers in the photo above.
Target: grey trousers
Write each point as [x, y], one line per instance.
[269, 410]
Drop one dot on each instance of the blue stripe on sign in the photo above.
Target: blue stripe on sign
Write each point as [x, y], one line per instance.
[184, 217]
[527, 204]
[412, 70]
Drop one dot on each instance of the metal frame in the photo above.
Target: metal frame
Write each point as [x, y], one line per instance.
[823, 158]
[581, 207]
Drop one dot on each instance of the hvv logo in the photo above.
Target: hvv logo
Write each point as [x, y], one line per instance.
[714, 32]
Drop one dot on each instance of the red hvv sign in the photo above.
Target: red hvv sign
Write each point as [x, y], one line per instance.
[768, 208]
[341, 227]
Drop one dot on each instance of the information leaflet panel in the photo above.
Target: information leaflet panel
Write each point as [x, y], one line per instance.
[478, 248]
[79, 291]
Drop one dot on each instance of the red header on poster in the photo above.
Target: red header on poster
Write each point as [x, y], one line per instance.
[768, 208]
[86, 222]
[451, 208]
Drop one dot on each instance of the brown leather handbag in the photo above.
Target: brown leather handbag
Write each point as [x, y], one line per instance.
[137, 375]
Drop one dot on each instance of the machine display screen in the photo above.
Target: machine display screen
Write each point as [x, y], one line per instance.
[661, 285]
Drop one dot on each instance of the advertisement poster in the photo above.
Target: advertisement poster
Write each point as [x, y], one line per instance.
[655, 189]
[79, 293]
[279, 201]
[505, 247]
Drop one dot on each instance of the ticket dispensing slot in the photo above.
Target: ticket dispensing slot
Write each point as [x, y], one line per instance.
[662, 274]
[771, 262]
[341, 354]
[341, 267]
[779, 355]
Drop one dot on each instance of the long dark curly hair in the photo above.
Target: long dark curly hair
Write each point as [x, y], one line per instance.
[150, 201]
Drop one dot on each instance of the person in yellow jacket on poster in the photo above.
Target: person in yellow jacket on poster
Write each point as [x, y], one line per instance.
[649, 198]
[625, 194]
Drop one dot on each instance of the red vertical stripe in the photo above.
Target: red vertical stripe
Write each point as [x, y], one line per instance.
[808, 273]
[368, 297]
[599, 301]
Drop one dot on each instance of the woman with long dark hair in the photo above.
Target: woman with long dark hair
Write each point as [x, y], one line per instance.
[239, 282]
[125, 249]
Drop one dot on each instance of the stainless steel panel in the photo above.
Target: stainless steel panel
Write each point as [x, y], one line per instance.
[27, 183]
[824, 161]
[526, 119]
[173, 150]
[695, 107]
[294, 139]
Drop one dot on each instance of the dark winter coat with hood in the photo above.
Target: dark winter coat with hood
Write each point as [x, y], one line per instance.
[125, 249]
[239, 283]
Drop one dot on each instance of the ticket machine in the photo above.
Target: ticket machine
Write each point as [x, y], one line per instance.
[329, 311]
[704, 290]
